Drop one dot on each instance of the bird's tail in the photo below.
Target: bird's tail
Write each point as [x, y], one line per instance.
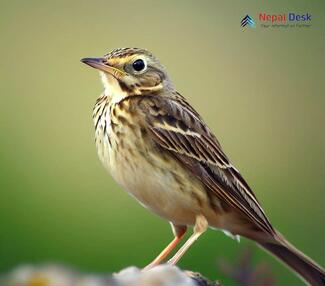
[305, 267]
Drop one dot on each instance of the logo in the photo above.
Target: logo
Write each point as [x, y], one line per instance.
[278, 20]
[247, 20]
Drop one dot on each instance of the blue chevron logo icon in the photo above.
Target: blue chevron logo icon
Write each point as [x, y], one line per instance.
[247, 21]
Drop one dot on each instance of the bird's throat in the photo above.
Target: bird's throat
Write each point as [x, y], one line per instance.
[112, 88]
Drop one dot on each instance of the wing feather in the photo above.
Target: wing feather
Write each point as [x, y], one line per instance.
[177, 127]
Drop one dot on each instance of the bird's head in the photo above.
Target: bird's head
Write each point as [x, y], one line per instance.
[130, 71]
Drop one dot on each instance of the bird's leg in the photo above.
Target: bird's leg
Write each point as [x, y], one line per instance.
[201, 225]
[179, 232]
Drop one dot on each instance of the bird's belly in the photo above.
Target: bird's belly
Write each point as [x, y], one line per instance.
[156, 188]
[157, 184]
[156, 180]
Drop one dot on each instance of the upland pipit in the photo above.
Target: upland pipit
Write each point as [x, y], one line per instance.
[159, 149]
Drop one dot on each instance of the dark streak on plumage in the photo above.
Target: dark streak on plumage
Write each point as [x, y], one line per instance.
[143, 131]
[197, 198]
[122, 119]
[125, 88]
[169, 119]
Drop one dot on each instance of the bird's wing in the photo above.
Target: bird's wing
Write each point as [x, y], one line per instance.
[177, 127]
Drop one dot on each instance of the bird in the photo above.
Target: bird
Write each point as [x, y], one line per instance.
[160, 150]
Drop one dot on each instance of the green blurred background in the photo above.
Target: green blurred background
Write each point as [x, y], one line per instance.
[260, 90]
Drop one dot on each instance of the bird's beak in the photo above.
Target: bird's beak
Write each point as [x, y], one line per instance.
[101, 64]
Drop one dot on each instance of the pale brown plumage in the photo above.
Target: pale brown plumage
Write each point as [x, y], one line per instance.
[161, 151]
[199, 151]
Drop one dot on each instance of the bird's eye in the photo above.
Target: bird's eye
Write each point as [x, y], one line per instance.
[139, 65]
